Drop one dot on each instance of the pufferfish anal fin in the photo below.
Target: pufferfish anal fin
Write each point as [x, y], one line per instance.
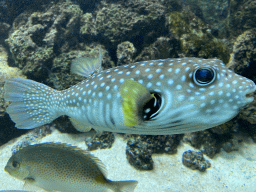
[86, 66]
[134, 96]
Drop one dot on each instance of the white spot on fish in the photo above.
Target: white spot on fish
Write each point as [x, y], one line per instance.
[177, 70]
[191, 85]
[107, 88]
[115, 87]
[109, 96]
[158, 70]
[102, 84]
[128, 73]
[202, 105]
[187, 69]
[221, 84]
[158, 84]
[183, 78]
[161, 76]
[113, 80]
[137, 72]
[121, 80]
[211, 93]
[170, 81]
[170, 70]
[149, 85]
[181, 97]
[178, 87]
[220, 93]
[203, 97]
[191, 98]
[150, 76]
[108, 76]
[147, 70]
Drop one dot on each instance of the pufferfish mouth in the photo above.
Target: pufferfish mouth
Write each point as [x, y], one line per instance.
[249, 95]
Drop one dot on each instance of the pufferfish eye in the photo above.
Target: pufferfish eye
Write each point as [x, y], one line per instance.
[152, 107]
[204, 76]
[15, 164]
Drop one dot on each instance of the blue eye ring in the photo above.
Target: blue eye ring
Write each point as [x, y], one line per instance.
[204, 76]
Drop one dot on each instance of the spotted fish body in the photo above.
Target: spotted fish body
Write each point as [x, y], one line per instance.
[192, 94]
[63, 168]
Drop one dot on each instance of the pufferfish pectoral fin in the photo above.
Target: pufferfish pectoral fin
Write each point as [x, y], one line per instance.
[80, 126]
[86, 66]
[134, 96]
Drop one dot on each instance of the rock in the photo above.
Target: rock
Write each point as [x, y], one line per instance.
[195, 36]
[162, 48]
[100, 141]
[139, 149]
[195, 160]
[243, 62]
[42, 35]
[134, 21]
[125, 53]
[204, 140]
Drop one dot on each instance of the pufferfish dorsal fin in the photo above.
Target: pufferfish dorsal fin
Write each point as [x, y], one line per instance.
[86, 66]
[134, 96]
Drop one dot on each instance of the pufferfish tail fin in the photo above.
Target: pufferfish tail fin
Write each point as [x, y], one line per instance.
[134, 96]
[32, 104]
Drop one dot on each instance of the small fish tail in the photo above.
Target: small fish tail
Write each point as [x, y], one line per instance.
[32, 104]
[125, 186]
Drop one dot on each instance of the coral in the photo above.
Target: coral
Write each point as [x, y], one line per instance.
[42, 35]
[139, 149]
[125, 53]
[134, 21]
[4, 29]
[162, 48]
[100, 141]
[6, 72]
[243, 62]
[195, 160]
[208, 142]
[242, 16]
[195, 36]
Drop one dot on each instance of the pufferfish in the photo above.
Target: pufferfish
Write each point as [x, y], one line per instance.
[64, 168]
[157, 97]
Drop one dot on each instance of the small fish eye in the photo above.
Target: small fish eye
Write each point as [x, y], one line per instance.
[204, 76]
[152, 107]
[15, 164]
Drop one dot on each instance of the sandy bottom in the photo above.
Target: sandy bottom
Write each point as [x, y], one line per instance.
[229, 172]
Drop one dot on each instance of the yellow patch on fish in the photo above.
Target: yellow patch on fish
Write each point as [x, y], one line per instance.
[134, 97]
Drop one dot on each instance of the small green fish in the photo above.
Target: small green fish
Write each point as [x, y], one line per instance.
[158, 97]
[61, 167]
